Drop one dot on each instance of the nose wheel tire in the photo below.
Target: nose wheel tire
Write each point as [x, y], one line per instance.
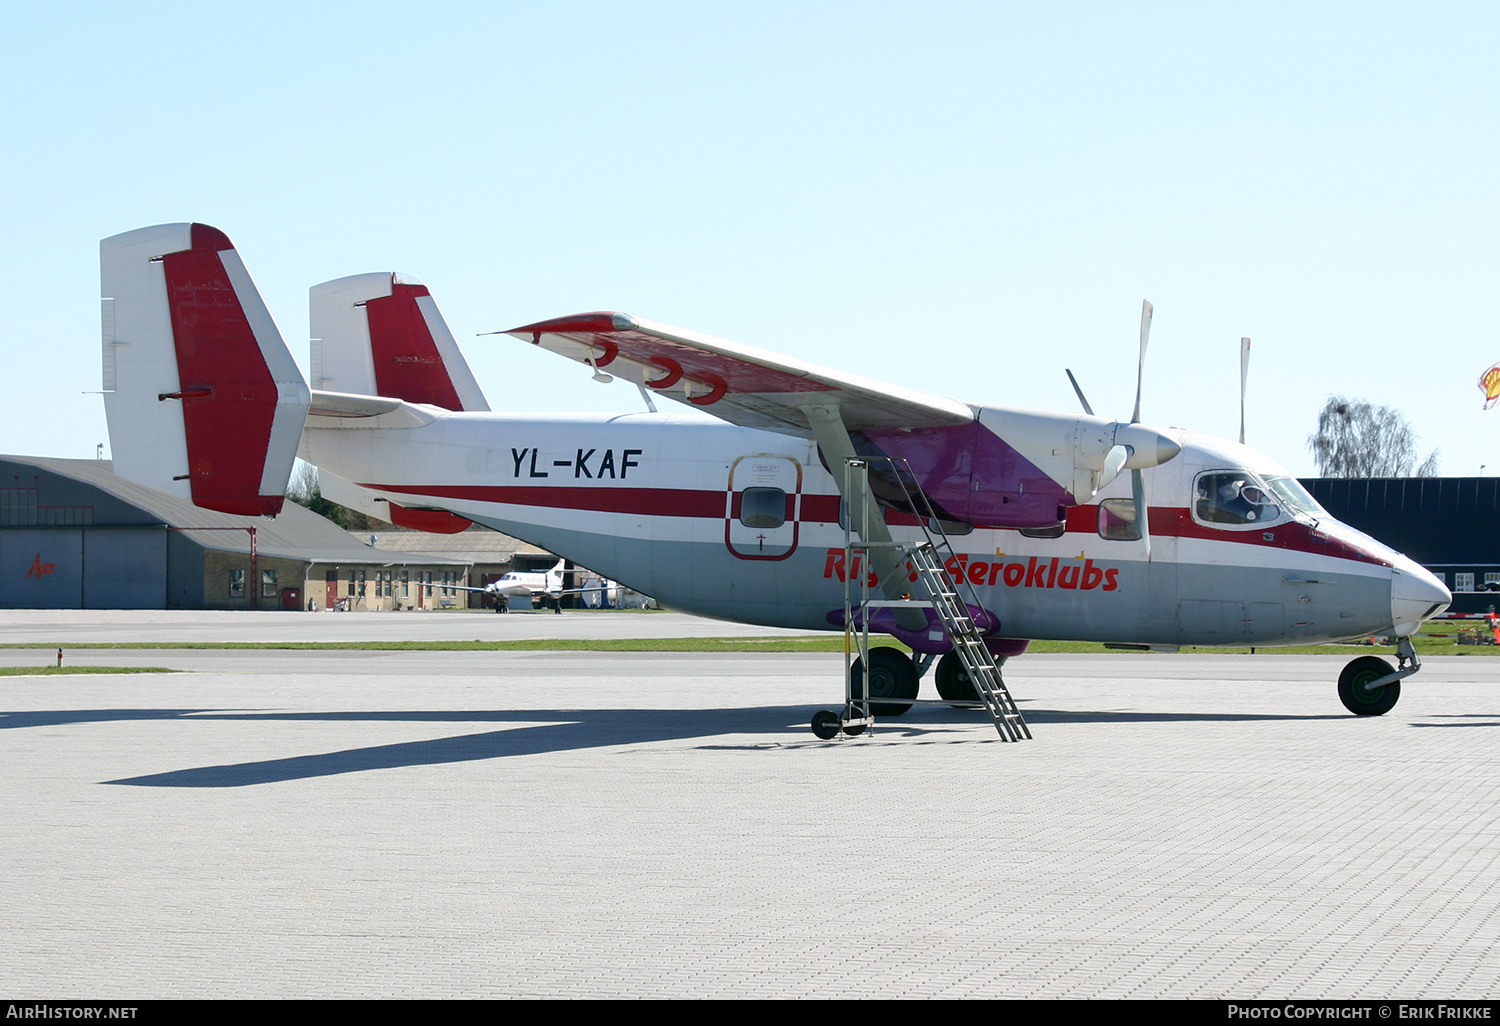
[1360, 701]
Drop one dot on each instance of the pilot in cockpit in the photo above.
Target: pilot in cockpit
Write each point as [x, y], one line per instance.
[1233, 499]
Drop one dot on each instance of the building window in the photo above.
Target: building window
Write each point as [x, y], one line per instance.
[405, 583]
[1492, 582]
[268, 584]
[236, 584]
[361, 592]
[1463, 582]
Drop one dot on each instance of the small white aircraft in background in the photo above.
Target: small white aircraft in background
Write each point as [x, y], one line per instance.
[548, 585]
[740, 515]
[516, 583]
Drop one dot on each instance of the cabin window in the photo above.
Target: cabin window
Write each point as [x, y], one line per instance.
[763, 507]
[1234, 498]
[948, 528]
[1117, 520]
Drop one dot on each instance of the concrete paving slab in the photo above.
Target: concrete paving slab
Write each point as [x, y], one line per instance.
[315, 824]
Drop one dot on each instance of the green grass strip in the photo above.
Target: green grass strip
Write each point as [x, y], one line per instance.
[56, 671]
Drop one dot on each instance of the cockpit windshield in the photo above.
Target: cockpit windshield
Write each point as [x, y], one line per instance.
[1240, 498]
[1294, 497]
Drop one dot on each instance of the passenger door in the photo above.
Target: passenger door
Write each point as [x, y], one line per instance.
[762, 506]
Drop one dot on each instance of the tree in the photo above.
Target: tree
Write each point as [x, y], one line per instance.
[1358, 439]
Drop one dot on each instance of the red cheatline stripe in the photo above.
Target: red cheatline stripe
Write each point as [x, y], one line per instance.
[1166, 521]
[661, 502]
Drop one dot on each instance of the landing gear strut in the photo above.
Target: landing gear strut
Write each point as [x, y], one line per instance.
[1368, 686]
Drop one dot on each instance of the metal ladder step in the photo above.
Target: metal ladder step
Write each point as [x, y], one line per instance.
[977, 659]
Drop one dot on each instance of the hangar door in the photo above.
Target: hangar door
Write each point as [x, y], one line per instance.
[83, 568]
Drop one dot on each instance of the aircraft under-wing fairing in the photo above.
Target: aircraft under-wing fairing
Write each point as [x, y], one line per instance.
[738, 505]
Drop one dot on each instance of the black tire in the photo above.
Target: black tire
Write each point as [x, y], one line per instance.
[1352, 691]
[952, 680]
[825, 724]
[892, 675]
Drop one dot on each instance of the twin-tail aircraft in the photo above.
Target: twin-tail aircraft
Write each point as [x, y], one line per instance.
[737, 504]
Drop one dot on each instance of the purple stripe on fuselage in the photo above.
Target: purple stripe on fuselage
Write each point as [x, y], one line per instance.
[975, 475]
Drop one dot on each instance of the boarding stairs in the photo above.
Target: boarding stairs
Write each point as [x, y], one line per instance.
[928, 558]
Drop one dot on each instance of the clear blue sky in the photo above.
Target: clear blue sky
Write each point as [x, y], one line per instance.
[963, 198]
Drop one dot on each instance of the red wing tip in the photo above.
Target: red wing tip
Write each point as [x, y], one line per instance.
[210, 238]
[599, 321]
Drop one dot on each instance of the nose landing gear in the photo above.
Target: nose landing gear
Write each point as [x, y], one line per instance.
[1369, 687]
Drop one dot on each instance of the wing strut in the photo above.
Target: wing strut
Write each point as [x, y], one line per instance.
[827, 424]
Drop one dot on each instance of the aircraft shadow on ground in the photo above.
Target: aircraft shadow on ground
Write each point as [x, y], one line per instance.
[556, 730]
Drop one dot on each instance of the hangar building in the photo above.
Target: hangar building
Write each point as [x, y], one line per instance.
[75, 536]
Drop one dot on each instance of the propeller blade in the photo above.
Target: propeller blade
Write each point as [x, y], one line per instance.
[1244, 374]
[1114, 462]
[1079, 392]
[1140, 367]
[1138, 492]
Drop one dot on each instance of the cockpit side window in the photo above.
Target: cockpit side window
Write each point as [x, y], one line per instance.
[1234, 498]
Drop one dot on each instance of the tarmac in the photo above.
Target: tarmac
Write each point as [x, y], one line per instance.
[354, 824]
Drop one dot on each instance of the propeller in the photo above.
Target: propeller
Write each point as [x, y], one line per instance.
[1244, 374]
[1134, 447]
[1079, 393]
[1137, 478]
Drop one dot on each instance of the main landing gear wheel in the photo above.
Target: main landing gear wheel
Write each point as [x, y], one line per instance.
[1356, 698]
[892, 675]
[953, 681]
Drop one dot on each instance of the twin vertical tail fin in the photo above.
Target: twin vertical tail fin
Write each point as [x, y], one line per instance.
[382, 334]
[203, 399]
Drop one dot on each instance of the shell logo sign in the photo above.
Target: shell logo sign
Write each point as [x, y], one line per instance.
[1489, 384]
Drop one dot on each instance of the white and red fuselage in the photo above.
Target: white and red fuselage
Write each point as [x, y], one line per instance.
[656, 501]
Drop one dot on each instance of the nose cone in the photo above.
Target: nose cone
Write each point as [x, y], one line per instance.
[1416, 595]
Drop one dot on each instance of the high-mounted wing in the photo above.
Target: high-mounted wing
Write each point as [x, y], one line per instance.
[740, 384]
[992, 465]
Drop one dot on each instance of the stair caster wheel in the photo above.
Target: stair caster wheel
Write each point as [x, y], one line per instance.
[825, 724]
